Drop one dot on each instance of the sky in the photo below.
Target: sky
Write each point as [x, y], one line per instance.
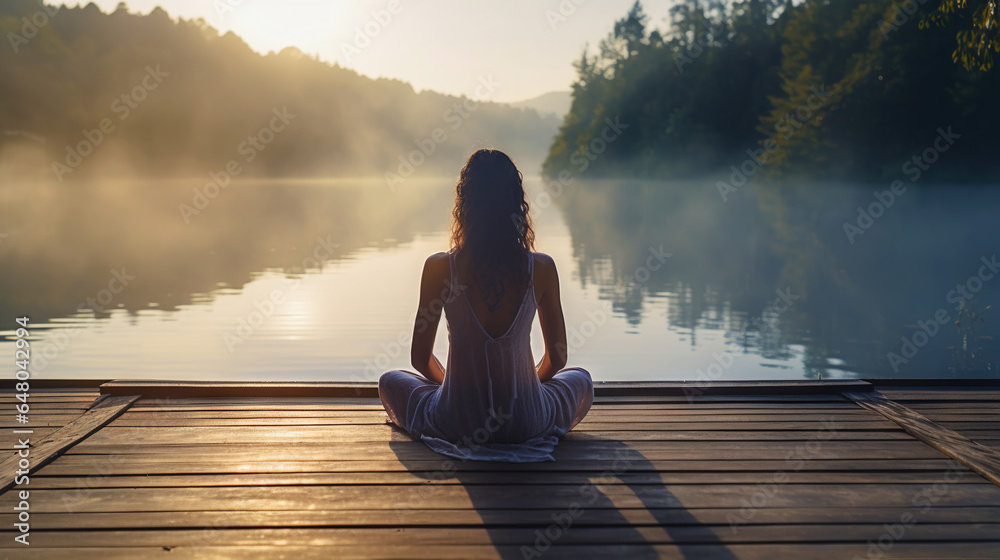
[527, 46]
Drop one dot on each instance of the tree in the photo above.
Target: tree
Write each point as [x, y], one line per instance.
[976, 46]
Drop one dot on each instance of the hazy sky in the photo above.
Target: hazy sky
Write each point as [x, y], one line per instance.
[444, 45]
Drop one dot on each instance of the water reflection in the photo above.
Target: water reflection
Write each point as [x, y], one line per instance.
[66, 242]
[774, 268]
[317, 280]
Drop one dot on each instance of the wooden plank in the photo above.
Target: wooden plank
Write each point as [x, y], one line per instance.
[451, 536]
[9, 441]
[182, 389]
[319, 517]
[954, 407]
[285, 551]
[379, 416]
[50, 447]
[951, 395]
[859, 414]
[276, 389]
[518, 478]
[41, 421]
[706, 388]
[55, 393]
[593, 425]
[979, 431]
[723, 401]
[989, 412]
[223, 407]
[58, 385]
[700, 399]
[889, 449]
[179, 420]
[385, 433]
[665, 403]
[42, 398]
[335, 405]
[68, 393]
[103, 466]
[406, 450]
[960, 418]
[58, 410]
[59, 414]
[480, 497]
[980, 458]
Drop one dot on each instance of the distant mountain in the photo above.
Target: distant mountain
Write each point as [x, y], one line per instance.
[552, 103]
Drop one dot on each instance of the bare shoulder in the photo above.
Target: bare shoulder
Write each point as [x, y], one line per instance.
[544, 262]
[545, 268]
[546, 279]
[437, 259]
[437, 266]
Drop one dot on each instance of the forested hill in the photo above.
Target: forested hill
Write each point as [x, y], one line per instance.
[850, 89]
[158, 96]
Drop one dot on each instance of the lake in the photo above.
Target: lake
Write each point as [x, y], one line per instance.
[317, 280]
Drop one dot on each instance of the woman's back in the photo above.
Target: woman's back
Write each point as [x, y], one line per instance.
[492, 381]
[497, 300]
[491, 402]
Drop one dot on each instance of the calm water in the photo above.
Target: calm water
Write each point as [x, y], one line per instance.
[765, 285]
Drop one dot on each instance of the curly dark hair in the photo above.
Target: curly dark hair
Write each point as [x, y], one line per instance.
[491, 221]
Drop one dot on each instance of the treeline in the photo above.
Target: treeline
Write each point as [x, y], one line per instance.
[832, 89]
[120, 92]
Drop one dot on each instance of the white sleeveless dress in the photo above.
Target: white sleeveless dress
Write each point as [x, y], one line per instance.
[491, 406]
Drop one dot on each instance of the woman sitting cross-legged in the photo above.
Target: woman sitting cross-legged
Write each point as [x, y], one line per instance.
[491, 403]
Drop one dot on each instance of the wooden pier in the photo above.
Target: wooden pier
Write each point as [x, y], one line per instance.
[807, 470]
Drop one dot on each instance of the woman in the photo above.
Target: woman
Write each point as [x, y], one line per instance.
[491, 403]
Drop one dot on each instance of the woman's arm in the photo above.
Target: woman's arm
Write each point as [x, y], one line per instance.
[433, 292]
[550, 317]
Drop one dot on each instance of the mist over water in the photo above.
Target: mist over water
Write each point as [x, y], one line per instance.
[290, 280]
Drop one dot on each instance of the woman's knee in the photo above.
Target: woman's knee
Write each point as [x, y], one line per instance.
[387, 378]
[575, 372]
